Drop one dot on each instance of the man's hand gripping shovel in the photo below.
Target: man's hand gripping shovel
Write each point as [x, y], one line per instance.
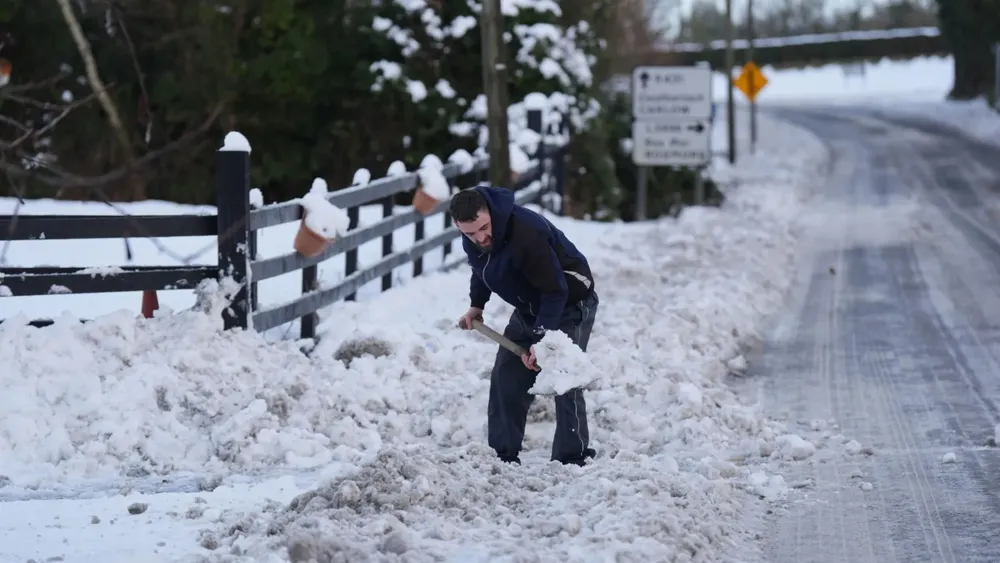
[502, 340]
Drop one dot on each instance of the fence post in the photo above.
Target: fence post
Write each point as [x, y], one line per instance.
[351, 256]
[996, 77]
[308, 322]
[388, 204]
[559, 165]
[447, 225]
[233, 217]
[535, 124]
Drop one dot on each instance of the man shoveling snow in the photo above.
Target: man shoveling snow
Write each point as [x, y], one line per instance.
[532, 265]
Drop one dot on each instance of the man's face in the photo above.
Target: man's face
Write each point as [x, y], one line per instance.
[479, 230]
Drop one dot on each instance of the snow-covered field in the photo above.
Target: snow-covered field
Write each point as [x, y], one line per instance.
[127, 439]
[914, 88]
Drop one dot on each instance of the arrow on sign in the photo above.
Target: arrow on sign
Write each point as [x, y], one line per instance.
[697, 127]
[644, 77]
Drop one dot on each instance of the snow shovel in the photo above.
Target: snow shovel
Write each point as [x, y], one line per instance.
[509, 345]
[500, 339]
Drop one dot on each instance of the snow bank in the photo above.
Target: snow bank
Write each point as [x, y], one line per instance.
[123, 395]
[974, 118]
[680, 453]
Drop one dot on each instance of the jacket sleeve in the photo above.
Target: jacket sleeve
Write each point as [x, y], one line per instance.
[540, 266]
[479, 293]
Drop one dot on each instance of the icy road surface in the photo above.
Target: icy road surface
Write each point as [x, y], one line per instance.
[892, 339]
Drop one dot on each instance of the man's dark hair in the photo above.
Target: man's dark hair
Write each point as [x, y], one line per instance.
[466, 205]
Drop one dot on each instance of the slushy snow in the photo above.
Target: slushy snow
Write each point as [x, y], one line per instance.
[321, 216]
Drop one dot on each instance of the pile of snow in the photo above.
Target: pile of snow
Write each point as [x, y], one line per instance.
[680, 453]
[123, 395]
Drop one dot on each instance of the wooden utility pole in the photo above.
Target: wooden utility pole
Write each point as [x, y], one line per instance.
[753, 100]
[730, 63]
[495, 88]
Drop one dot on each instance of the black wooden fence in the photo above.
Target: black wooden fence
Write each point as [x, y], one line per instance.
[236, 224]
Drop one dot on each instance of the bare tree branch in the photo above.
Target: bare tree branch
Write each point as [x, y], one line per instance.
[10, 90]
[61, 179]
[26, 132]
[141, 76]
[83, 46]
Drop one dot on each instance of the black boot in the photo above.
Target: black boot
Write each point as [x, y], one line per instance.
[582, 460]
[510, 459]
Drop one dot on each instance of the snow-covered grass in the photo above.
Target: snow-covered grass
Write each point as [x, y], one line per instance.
[382, 426]
[921, 79]
[916, 88]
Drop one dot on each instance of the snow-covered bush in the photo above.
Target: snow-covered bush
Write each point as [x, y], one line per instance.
[435, 71]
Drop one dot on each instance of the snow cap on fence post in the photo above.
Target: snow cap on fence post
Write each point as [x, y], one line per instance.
[232, 175]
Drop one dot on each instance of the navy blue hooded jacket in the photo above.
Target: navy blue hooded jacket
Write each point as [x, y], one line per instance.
[532, 265]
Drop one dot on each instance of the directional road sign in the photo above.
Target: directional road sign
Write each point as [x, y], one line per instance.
[672, 142]
[671, 92]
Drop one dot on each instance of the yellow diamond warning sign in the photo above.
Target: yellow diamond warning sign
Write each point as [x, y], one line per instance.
[750, 81]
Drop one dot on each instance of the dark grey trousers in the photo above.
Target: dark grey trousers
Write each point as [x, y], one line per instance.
[509, 398]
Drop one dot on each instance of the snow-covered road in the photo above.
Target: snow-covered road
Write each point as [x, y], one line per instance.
[892, 339]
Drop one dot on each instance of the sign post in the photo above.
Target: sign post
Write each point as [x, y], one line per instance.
[751, 81]
[672, 111]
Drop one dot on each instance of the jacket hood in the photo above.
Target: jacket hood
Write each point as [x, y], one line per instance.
[501, 204]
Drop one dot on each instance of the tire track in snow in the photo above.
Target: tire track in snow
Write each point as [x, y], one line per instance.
[890, 367]
[819, 391]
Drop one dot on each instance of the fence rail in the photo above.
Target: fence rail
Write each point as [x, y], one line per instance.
[236, 225]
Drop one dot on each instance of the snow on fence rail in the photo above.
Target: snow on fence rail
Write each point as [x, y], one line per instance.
[544, 176]
[235, 226]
